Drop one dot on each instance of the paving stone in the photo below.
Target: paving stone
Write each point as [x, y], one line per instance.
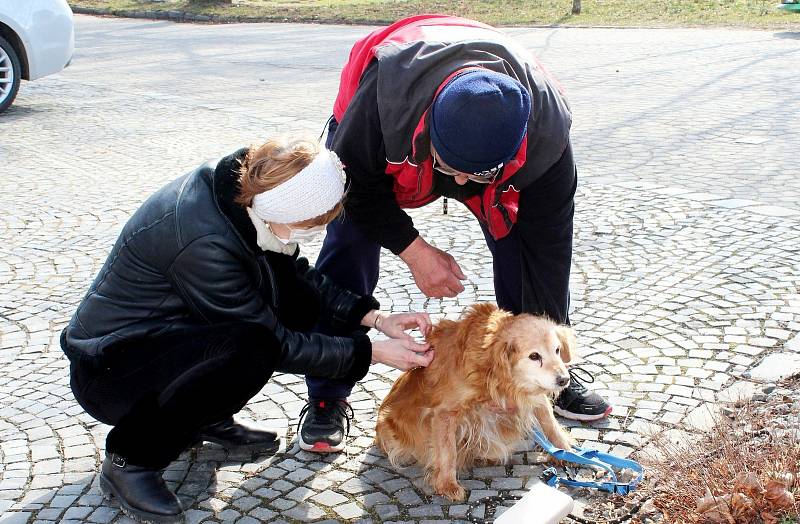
[355, 486]
[246, 503]
[283, 504]
[262, 514]
[776, 367]
[426, 510]
[48, 513]
[304, 512]
[369, 500]
[63, 501]
[377, 476]
[281, 485]
[507, 483]
[273, 473]
[266, 493]
[478, 494]
[228, 514]
[300, 494]
[494, 471]
[329, 498]
[350, 510]
[77, 513]
[407, 497]
[16, 518]
[738, 392]
[395, 484]
[387, 511]
[299, 475]
[194, 516]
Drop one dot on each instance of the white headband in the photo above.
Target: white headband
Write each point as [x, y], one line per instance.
[315, 190]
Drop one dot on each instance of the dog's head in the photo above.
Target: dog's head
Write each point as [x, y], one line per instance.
[536, 350]
[495, 351]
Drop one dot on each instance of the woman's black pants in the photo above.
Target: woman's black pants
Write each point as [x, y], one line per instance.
[159, 393]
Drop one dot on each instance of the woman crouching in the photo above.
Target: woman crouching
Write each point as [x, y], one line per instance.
[201, 299]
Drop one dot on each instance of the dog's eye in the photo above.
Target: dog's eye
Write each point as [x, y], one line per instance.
[536, 357]
[558, 350]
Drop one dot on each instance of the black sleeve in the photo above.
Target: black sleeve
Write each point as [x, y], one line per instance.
[370, 201]
[342, 309]
[210, 278]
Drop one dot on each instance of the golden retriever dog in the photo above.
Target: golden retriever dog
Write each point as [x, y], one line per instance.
[489, 385]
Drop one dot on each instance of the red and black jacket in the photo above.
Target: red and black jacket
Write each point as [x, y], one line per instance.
[385, 94]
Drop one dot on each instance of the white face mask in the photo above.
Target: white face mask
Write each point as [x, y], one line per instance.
[304, 236]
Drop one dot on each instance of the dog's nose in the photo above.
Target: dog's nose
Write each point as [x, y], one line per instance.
[562, 381]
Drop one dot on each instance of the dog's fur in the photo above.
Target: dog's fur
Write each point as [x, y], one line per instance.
[481, 395]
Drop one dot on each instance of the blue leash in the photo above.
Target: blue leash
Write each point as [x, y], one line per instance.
[589, 457]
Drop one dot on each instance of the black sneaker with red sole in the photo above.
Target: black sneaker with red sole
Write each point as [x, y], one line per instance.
[324, 425]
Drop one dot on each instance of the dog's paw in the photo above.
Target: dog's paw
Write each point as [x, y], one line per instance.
[450, 490]
[552, 461]
[563, 440]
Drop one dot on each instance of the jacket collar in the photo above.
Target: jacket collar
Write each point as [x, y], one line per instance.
[226, 186]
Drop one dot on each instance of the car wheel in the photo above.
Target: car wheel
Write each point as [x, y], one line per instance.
[10, 74]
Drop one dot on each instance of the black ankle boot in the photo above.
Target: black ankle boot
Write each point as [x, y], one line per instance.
[235, 435]
[140, 492]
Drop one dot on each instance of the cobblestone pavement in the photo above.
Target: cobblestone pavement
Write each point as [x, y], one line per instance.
[686, 268]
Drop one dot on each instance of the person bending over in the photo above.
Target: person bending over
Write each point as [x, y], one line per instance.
[434, 106]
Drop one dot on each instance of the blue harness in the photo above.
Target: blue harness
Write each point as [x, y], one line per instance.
[589, 457]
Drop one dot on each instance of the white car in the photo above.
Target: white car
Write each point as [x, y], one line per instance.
[37, 38]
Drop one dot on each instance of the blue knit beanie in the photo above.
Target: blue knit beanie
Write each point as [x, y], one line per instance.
[479, 120]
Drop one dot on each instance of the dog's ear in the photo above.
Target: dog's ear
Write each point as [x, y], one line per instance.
[509, 348]
[568, 343]
[497, 329]
[482, 311]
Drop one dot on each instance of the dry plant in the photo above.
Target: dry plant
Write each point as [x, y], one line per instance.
[743, 471]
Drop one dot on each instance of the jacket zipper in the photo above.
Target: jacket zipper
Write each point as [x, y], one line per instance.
[262, 261]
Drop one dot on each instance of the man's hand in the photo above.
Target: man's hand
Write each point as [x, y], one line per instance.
[435, 272]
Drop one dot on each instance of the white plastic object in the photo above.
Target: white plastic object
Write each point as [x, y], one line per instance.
[542, 504]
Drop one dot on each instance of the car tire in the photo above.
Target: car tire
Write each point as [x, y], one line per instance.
[10, 74]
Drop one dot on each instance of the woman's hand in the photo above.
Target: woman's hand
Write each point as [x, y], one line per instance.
[396, 325]
[401, 354]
